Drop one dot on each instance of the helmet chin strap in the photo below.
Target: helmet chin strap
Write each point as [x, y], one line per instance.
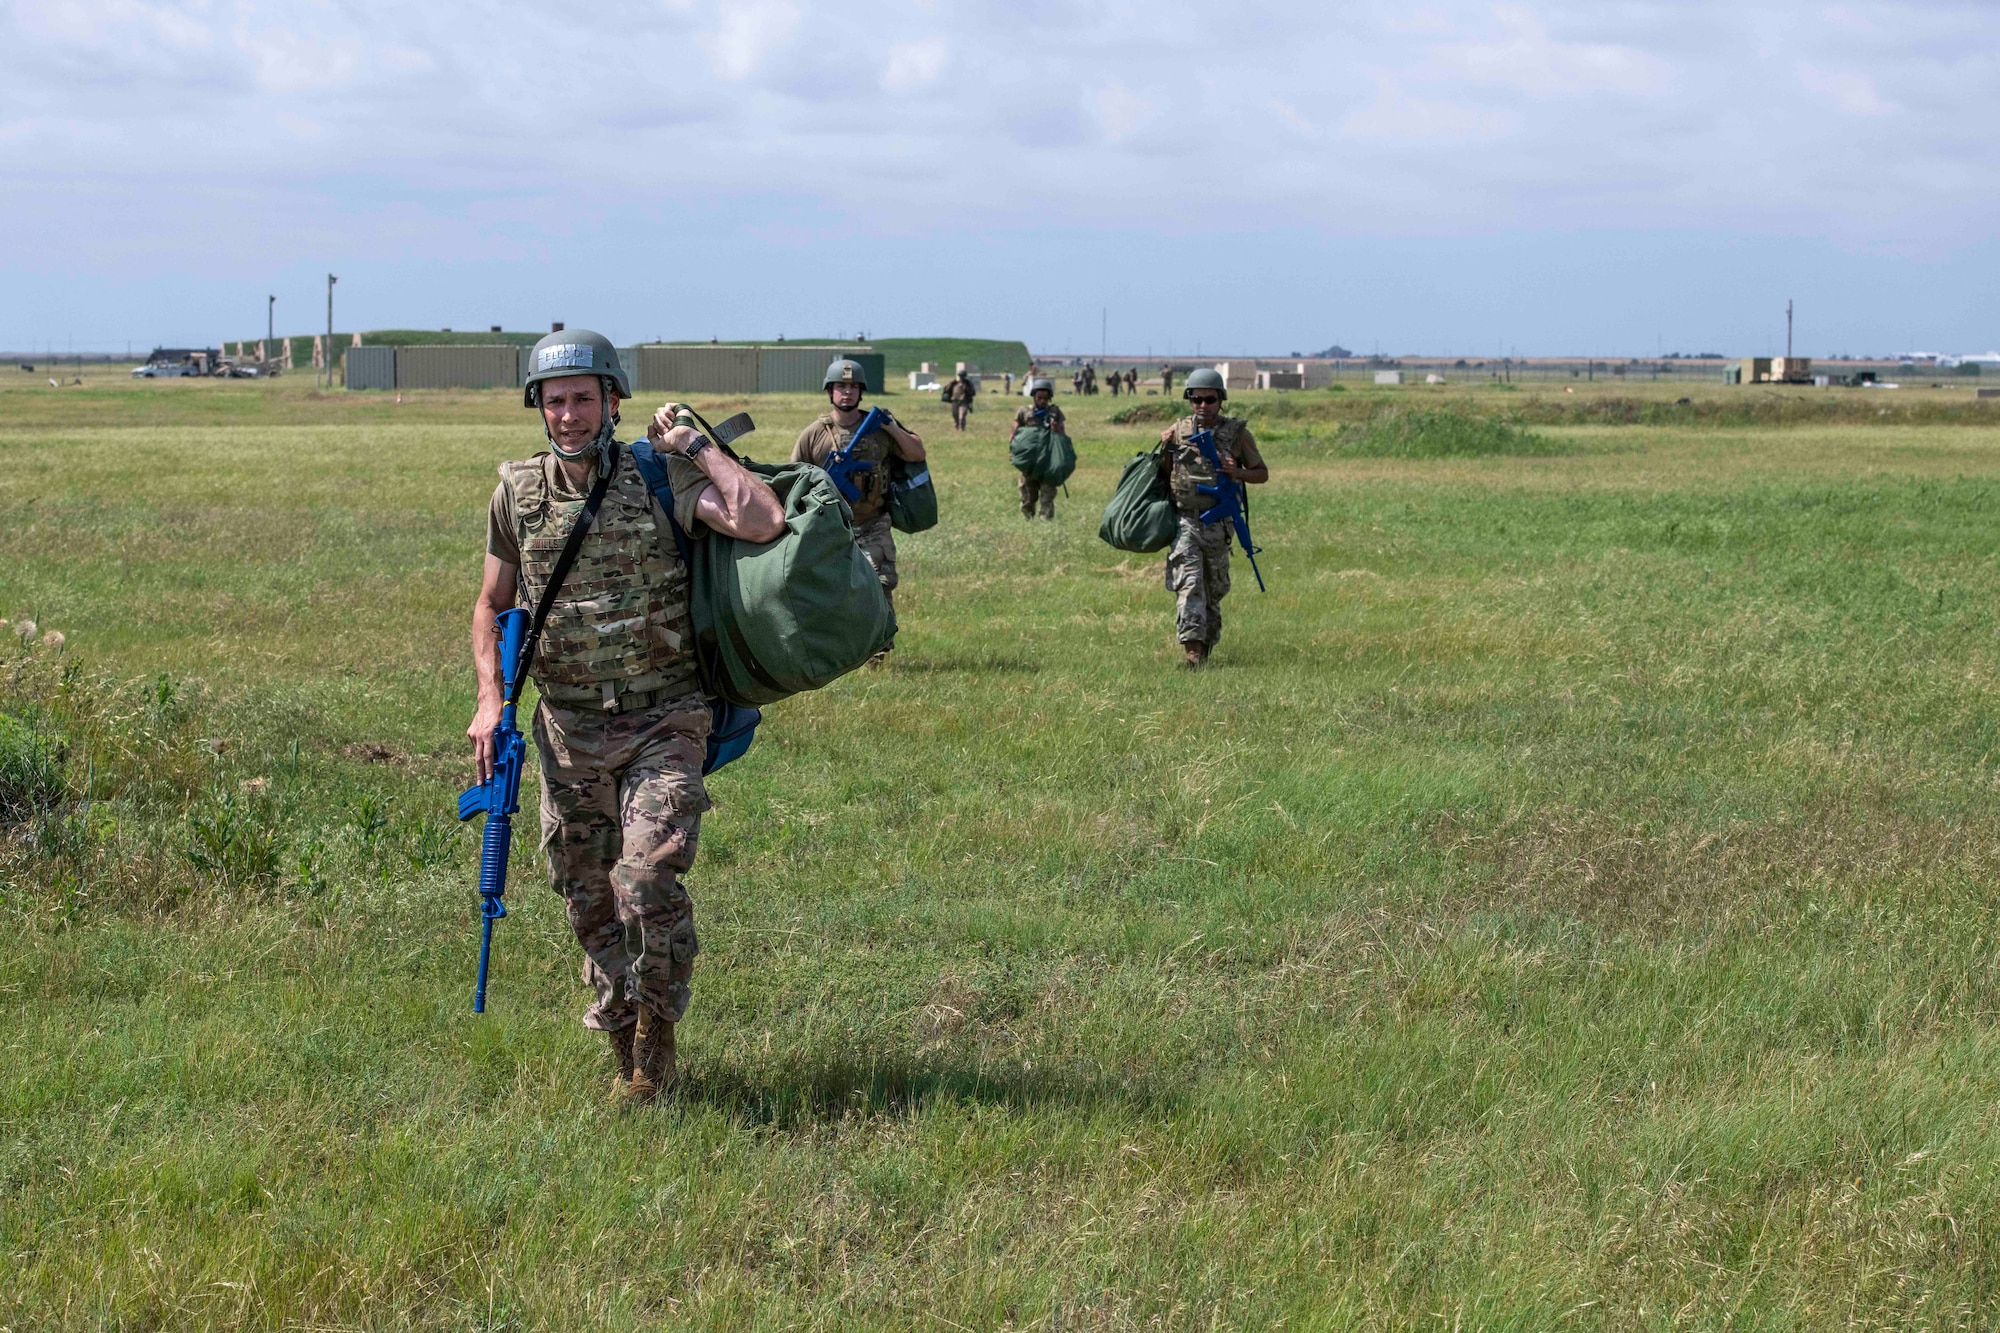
[600, 444]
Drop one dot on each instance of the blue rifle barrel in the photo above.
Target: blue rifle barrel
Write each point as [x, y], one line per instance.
[499, 796]
[1229, 497]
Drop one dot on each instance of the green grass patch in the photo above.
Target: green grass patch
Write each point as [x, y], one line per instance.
[1567, 900]
[1415, 432]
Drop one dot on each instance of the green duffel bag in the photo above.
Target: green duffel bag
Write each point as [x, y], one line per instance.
[778, 618]
[912, 496]
[1044, 454]
[1141, 514]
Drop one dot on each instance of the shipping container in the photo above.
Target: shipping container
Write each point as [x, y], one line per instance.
[370, 367]
[712, 369]
[799, 369]
[492, 367]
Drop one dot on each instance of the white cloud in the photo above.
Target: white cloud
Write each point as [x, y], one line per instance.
[914, 64]
[1525, 57]
[746, 33]
[1121, 112]
[1395, 116]
[1847, 89]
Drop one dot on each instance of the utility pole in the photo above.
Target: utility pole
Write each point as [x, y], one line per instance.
[330, 280]
[1788, 332]
[270, 322]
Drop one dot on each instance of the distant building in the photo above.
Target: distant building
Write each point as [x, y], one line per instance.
[1771, 370]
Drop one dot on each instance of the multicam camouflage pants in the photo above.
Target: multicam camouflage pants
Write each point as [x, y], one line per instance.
[1035, 491]
[877, 541]
[1198, 576]
[622, 800]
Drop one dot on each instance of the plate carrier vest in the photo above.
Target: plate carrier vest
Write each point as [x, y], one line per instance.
[621, 617]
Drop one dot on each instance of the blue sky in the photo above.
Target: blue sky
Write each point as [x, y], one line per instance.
[1613, 178]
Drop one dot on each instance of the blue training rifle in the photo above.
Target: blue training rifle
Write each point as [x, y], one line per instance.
[841, 464]
[1231, 500]
[499, 796]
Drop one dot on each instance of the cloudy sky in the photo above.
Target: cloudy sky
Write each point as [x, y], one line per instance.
[1620, 178]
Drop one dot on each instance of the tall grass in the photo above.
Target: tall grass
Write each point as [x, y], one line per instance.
[1566, 901]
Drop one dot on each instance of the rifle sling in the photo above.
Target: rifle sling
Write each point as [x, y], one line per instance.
[561, 572]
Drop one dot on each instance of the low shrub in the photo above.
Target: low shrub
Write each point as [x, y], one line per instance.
[1149, 414]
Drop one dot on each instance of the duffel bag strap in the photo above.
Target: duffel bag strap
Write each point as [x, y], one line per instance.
[654, 469]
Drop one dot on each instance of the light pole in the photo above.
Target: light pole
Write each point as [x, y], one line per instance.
[330, 280]
[270, 323]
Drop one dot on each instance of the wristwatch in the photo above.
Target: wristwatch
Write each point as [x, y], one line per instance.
[700, 443]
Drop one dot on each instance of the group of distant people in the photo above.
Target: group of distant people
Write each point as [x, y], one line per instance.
[1084, 381]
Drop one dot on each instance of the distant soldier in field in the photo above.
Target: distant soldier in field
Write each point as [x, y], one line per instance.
[1166, 381]
[1131, 380]
[1042, 411]
[622, 724]
[1090, 379]
[1198, 561]
[960, 393]
[1116, 381]
[845, 383]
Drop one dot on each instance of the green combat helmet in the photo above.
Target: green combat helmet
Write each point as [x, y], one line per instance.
[570, 352]
[844, 371]
[1204, 378]
[573, 352]
[1038, 384]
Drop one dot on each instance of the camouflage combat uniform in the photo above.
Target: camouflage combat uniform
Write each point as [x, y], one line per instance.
[960, 393]
[621, 726]
[1035, 491]
[816, 443]
[1198, 561]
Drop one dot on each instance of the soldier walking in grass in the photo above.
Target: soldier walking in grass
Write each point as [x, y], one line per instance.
[845, 383]
[622, 724]
[1116, 381]
[960, 393]
[1036, 492]
[1131, 381]
[1198, 561]
[1166, 381]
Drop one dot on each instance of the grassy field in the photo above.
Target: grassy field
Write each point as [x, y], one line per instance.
[1568, 900]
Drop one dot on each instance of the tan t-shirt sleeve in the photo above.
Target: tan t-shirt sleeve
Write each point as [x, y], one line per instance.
[1246, 449]
[500, 541]
[802, 448]
[688, 481]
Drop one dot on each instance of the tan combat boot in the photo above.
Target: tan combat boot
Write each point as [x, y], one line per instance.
[621, 1051]
[1196, 655]
[652, 1057]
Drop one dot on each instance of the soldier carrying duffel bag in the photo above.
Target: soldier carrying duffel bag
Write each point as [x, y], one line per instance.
[627, 725]
[1040, 450]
